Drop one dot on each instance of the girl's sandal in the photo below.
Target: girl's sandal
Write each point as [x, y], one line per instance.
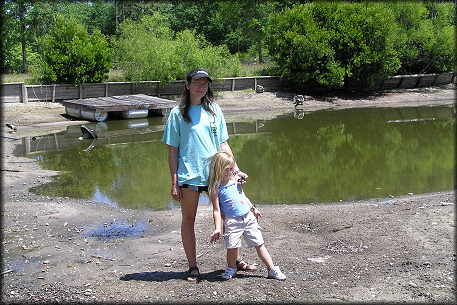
[192, 277]
[243, 266]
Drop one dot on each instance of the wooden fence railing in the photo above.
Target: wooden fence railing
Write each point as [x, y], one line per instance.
[19, 92]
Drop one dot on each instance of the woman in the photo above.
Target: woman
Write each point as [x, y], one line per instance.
[194, 132]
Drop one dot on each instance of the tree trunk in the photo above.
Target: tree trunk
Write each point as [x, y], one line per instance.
[115, 14]
[123, 11]
[259, 50]
[23, 36]
[24, 55]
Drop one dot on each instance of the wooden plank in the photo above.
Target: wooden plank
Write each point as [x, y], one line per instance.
[409, 82]
[443, 78]
[12, 92]
[392, 82]
[120, 103]
[426, 80]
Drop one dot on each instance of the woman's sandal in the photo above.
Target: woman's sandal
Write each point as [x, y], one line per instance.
[245, 266]
[192, 277]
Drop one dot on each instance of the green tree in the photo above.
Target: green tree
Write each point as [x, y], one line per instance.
[19, 28]
[101, 15]
[71, 55]
[150, 50]
[443, 16]
[11, 58]
[93, 14]
[416, 34]
[203, 17]
[333, 43]
[249, 19]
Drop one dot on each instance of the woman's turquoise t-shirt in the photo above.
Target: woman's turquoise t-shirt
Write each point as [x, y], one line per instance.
[197, 141]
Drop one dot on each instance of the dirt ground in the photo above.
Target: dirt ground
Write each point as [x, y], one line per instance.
[396, 249]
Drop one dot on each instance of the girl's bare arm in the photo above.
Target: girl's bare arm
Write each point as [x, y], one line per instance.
[217, 217]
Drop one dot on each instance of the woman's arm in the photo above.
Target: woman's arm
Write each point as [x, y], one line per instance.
[226, 147]
[254, 210]
[217, 217]
[173, 165]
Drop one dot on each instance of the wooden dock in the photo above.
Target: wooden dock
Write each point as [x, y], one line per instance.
[126, 106]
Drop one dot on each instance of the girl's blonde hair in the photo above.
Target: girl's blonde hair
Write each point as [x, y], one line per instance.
[221, 160]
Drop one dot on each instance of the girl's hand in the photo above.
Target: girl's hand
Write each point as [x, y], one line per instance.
[215, 236]
[241, 178]
[257, 214]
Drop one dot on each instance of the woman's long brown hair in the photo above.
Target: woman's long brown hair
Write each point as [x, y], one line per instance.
[184, 105]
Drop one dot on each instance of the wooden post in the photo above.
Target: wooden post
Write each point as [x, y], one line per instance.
[434, 80]
[24, 94]
[255, 83]
[417, 83]
[27, 145]
[80, 89]
[53, 94]
[106, 90]
[401, 82]
[233, 84]
[56, 142]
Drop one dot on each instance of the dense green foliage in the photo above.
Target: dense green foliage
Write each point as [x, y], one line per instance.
[327, 42]
[427, 36]
[203, 17]
[149, 50]
[71, 55]
[336, 42]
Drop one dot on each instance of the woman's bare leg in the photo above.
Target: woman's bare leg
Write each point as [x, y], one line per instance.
[189, 204]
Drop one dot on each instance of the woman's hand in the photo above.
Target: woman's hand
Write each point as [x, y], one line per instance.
[176, 192]
[215, 236]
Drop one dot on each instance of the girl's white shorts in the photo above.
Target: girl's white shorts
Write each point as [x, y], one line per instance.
[246, 226]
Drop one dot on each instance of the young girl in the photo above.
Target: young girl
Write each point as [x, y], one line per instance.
[229, 200]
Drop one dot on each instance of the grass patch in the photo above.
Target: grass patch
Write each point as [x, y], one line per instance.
[257, 69]
[116, 75]
[17, 78]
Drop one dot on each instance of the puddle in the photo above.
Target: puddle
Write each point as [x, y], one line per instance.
[118, 229]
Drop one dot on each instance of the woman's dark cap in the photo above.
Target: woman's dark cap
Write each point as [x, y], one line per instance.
[199, 73]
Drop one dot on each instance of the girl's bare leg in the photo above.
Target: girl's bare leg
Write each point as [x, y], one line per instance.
[242, 264]
[231, 257]
[265, 256]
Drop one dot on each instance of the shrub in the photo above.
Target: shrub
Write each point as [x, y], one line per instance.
[443, 56]
[334, 42]
[71, 55]
[149, 50]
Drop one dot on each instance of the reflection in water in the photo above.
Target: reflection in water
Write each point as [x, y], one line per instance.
[323, 156]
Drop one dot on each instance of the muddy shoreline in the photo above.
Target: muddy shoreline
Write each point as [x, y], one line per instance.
[399, 249]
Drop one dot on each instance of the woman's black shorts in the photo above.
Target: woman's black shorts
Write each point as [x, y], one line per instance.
[199, 189]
